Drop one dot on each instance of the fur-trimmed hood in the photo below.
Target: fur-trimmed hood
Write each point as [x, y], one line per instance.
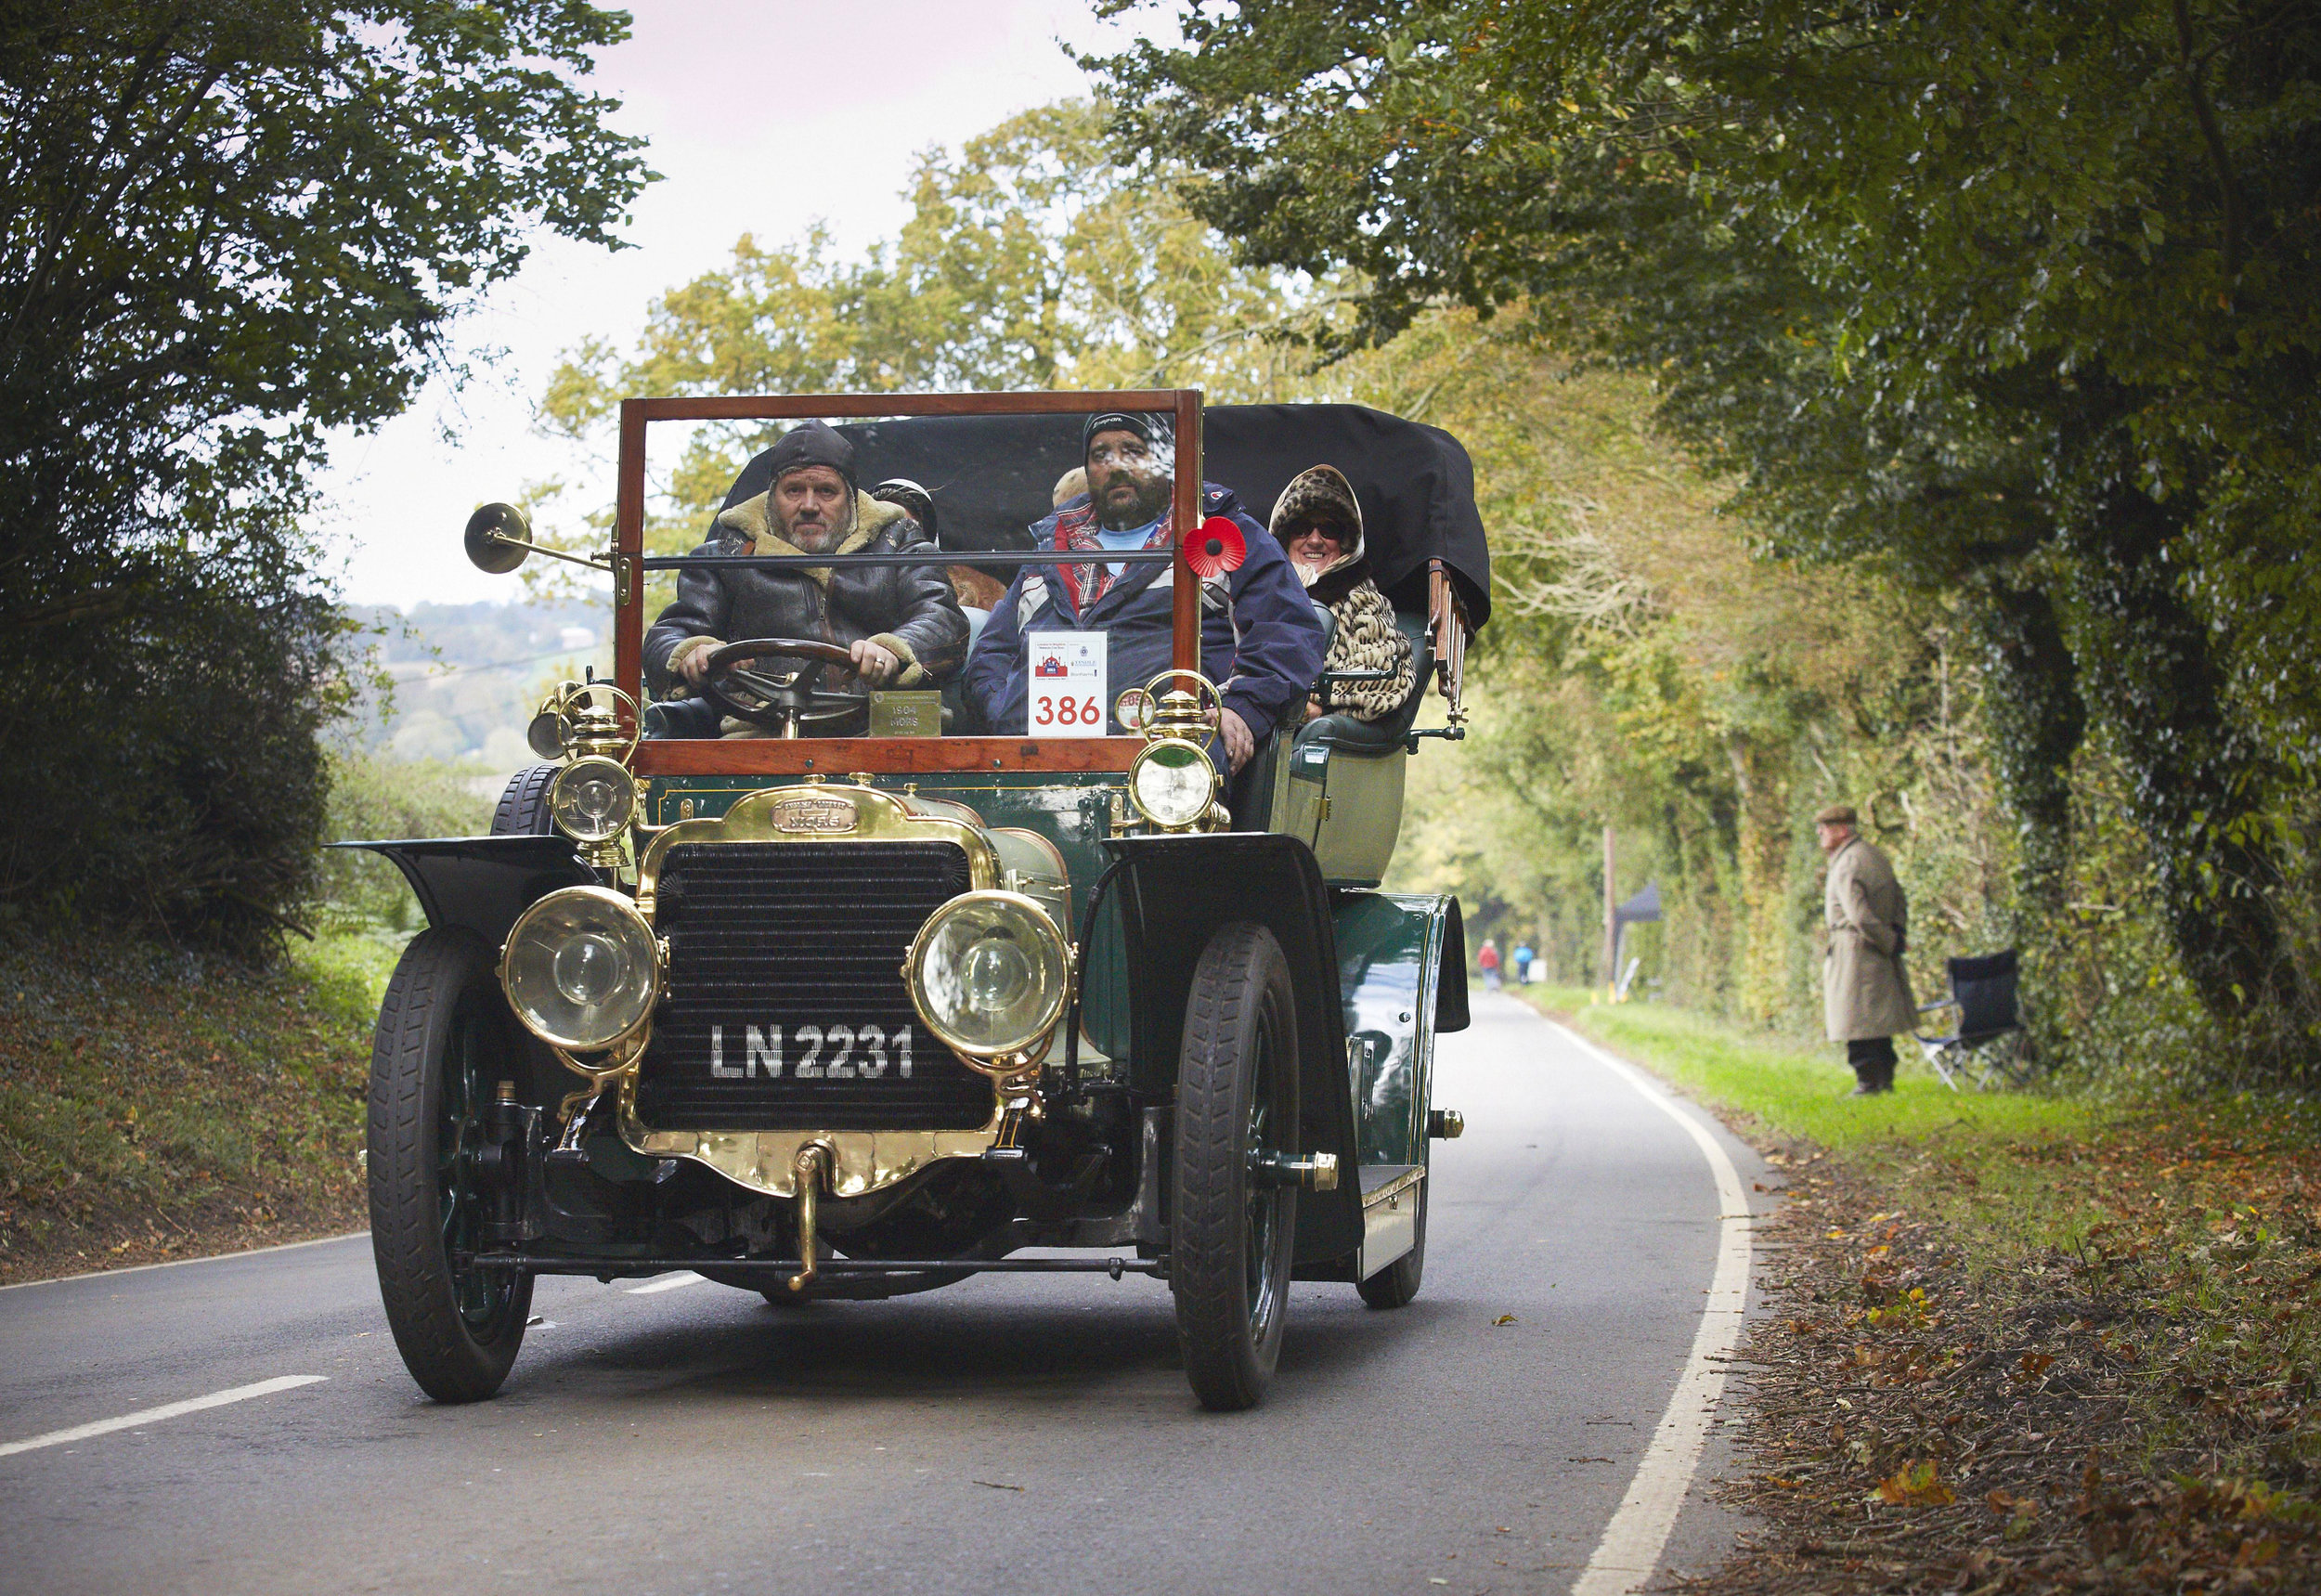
[1322, 493]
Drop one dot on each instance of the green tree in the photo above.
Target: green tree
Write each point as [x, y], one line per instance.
[229, 229]
[2021, 301]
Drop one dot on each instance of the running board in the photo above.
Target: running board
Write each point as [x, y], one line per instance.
[1390, 1214]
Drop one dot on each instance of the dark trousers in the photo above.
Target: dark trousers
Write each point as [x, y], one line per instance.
[1873, 1060]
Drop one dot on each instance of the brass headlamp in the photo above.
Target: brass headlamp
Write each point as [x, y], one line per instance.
[1173, 782]
[593, 798]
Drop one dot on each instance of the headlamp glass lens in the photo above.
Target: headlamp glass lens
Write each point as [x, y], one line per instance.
[582, 970]
[1173, 782]
[592, 799]
[587, 968]
[989, 973]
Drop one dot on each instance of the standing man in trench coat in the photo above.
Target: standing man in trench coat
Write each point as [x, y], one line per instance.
[1866, 990]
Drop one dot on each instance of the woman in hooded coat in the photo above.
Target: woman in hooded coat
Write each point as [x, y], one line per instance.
[1318, 524]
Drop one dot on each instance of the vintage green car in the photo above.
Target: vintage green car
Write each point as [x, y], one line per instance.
[831, 995]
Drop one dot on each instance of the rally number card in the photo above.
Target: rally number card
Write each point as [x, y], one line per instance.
[1066, 685]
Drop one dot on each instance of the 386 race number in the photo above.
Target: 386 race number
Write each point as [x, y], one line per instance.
[1067, 712]
[1064, 688]
[813, 1053]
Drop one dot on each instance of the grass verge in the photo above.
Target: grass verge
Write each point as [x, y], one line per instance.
[2013, 1342]
[155, 1104]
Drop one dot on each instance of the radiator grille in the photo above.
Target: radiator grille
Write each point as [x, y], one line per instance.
[785, 955]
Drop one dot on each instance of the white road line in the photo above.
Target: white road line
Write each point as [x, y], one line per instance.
[666, 1283]
[1639, 1531]
[155, 1414]
[181, 1263]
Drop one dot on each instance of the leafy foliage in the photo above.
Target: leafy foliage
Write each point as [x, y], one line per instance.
[2022, 303]
[227, 229]
[1029, 261]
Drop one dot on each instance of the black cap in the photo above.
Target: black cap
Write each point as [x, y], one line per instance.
[1146, 427]
[812, 443]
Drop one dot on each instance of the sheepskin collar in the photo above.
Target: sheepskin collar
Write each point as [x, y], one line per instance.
[752, 521]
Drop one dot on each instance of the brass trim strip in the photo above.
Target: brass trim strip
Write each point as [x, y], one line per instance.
[1407, 1181]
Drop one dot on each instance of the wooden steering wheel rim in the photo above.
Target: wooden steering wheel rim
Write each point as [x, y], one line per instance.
[796, 647]
[821, 653]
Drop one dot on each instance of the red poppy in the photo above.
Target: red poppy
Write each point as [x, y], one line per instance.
[1216, 546]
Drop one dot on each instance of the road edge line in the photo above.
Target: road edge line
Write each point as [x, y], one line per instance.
[1629, 1552]
[181, 1263]
[155, 1414]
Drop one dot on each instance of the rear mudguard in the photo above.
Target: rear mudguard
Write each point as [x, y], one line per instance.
[1402, 966]
[1172, 893]
[482, 883]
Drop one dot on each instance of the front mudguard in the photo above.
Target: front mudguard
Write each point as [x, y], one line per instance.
[1172, 893]
[481, 884]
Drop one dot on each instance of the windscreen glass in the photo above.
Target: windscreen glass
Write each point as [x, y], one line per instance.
[921, 576]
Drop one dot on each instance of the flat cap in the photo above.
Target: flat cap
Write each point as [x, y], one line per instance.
[1837, 815]
[812, 443]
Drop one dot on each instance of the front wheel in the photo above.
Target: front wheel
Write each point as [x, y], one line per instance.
[1237, 1109]
[444, 1042]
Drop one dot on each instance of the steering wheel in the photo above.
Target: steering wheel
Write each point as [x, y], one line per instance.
[789, 705]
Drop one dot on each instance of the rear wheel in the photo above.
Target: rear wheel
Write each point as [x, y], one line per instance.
[523, 810]
[444, 1042]
[1237, 1108]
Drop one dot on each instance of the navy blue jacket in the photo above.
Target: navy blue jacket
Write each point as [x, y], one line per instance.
[1259, 640]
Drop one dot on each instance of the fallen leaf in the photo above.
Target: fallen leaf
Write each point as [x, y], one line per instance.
[1504, 1319]
[1914, 1484]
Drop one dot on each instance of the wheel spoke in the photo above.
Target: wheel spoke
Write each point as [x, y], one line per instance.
[480, 1295]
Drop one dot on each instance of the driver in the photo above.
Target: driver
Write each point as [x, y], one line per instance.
[901, 623]
[1258, 639]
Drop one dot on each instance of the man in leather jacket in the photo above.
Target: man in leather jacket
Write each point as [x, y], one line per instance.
[901, 624]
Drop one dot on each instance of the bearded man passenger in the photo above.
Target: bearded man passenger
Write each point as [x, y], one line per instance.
[900, 624]
[1260, 641]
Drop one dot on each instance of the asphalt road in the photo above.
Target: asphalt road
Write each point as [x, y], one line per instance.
[1022, 1433]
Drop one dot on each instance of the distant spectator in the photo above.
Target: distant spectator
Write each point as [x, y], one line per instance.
[1865, 990]
[1523, 957]
[1487, 961]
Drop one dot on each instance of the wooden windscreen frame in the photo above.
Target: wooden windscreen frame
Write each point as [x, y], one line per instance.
[837, 755]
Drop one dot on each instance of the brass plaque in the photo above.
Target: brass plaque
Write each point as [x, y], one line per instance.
[906, 714]
[809, 815]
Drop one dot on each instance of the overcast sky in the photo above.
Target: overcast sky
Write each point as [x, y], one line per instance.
[764, 115]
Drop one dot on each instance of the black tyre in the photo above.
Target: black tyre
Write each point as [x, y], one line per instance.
[444, 1042]
[1396, 1284]
[1236, 1105]
[523, 810]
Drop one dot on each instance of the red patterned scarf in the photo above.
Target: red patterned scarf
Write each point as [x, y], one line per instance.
[1076, 528]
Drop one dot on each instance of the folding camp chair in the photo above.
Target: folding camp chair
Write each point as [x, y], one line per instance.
[1985, 1044]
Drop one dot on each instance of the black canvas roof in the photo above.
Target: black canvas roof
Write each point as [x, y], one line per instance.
[992, 477]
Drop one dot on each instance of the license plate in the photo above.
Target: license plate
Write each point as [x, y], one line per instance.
[834, 1052]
